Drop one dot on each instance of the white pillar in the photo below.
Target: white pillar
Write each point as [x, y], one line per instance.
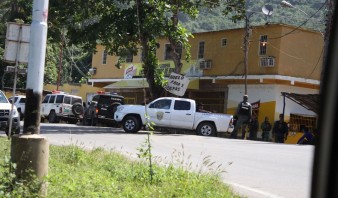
[36, 64]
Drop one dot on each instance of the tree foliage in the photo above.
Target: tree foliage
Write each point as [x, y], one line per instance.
[12, 10]
[125, 27]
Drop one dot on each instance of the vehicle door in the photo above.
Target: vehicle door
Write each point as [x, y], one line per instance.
[103, 107]
[114, 103]
[183, 114]
[92, 108]
[50, 105]
[66, 105]
[159, 112]
[21, 104]
[44, 105]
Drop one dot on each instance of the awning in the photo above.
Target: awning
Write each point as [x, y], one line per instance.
[129, 84]
[137, 83]
[308, 101]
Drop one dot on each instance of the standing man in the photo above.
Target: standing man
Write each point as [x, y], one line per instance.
[243, 113]
[253, 128]
[266, 128]
[280, 130]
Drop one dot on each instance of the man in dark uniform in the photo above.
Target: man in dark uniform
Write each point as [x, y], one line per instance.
[243, 113]
[280, 130]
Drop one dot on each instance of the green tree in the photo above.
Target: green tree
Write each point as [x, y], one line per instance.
[124, 26]
[178, 35]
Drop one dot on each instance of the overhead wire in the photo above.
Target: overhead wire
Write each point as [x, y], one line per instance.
[301, 25]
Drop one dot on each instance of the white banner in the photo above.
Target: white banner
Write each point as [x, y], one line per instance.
[177, 84]
[129, 72]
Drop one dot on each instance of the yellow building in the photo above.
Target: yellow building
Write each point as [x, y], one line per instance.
[282, 58]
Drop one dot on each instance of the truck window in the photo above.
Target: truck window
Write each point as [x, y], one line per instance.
[46, 99]
[105, 100]
[67, 99]
[76, 100]
[182, 105]
[96, 98]
[161, 104]
[51, 100]
[59, 99]
[3, 98]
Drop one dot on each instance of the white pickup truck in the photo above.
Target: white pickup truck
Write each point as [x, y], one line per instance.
[171, 112]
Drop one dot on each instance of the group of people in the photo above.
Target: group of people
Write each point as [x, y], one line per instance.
[244, 118]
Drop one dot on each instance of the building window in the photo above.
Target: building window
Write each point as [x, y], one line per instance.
[224, 42]
[201, 50]
[262, 44]
[167, 48]
[129, 58]
[104, 57]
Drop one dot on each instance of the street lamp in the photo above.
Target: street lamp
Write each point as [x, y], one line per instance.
[289, 5]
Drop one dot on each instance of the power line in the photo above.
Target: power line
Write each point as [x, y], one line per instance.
[302, 24]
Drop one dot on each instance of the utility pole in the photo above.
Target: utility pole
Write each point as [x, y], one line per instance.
[30, 151]
[60, 63]
[330, 7]
[246, 52]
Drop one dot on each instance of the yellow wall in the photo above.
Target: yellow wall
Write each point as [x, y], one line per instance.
[301, 54]
[79, 90]
[297, 54]
[105, 70]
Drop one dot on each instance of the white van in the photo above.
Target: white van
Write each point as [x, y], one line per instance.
[62, 106]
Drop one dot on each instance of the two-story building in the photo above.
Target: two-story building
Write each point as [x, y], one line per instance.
[282, 58]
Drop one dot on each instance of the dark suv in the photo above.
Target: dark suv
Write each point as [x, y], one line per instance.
[101, 110]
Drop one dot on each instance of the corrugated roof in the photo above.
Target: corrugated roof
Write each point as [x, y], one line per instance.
[308, 101]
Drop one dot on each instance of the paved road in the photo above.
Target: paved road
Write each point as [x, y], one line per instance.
[253, 168]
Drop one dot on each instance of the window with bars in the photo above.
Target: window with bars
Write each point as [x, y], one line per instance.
[104, 57]
[224, 42]
[201, 49]
[167, 55]
[262, 44]
[267, 61]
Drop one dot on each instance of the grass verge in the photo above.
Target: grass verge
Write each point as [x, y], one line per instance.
[75, 172]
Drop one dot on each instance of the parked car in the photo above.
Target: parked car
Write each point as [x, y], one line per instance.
[62, 106]
[171, 112]
[19, 102]
[102, 108]
[5, 113]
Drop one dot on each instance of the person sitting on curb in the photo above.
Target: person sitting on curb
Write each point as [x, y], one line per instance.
[307, 137]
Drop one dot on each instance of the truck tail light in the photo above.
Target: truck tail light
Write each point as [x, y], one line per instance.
[96, 110]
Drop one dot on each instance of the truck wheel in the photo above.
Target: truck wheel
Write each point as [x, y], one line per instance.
[52, 117]
[77, 109]
[206, 129]
[131, 124]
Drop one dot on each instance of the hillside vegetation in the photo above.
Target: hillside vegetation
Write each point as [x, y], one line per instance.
[213, 20]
